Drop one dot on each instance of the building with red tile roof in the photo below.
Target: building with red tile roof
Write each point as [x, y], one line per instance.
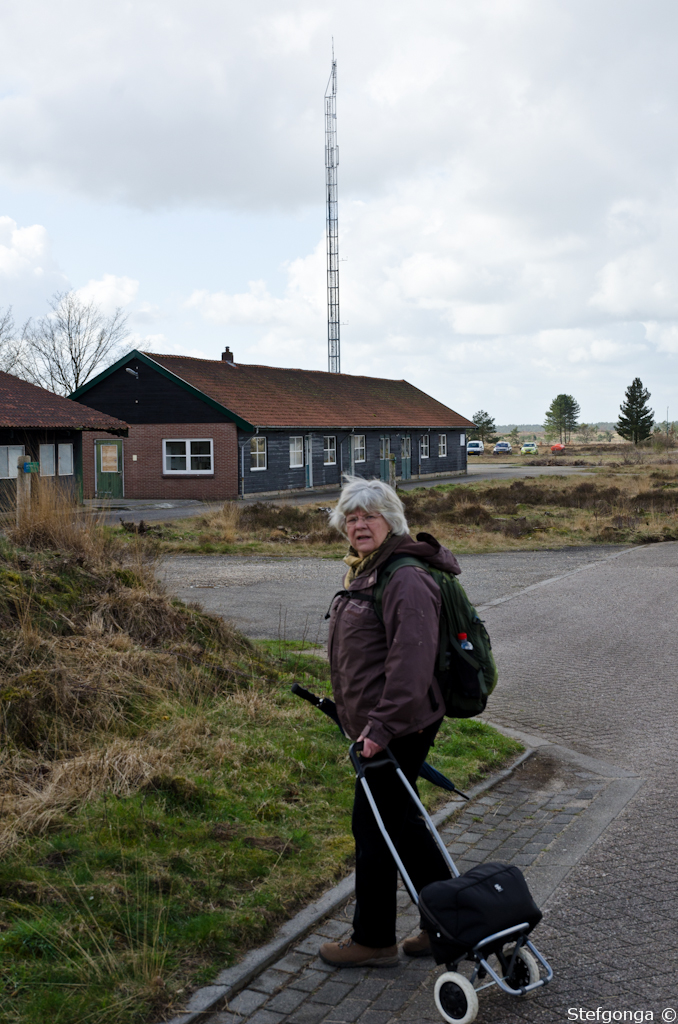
[45, 428]
[206, 428]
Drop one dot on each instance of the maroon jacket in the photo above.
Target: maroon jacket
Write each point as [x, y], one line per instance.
[383, 675]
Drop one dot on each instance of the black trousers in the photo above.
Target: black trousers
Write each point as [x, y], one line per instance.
[374, 920]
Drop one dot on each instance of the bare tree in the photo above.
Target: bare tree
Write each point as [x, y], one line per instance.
[62, 350]
[10, 345]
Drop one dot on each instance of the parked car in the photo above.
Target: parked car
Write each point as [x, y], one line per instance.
[530, 448]
[557, 448]
[475, 448]
[502, 448]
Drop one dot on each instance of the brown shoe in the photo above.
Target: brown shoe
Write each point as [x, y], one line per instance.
[352, 954]
[418, 946]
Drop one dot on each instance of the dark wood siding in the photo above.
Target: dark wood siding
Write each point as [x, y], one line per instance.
[279, 476]
[453, 462]
[150, 398]
[31, 440]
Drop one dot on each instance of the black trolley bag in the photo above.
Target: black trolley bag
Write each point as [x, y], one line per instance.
[468, 917]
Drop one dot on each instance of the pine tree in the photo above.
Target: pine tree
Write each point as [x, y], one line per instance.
[636, 420]
[484, 428]
[561, 418]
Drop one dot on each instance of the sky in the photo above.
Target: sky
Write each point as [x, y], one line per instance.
[508, 186]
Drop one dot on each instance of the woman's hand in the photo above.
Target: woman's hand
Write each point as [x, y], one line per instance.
[370, 748]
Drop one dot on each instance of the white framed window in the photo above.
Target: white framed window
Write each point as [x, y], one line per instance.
[384, 447]
[258, 453]
[296, 452]
[405, 448]
[442, 445]
[9, 456]
[66, 459]
[329, 451]
[424, 446]
[358, 447]
[188, 456]
[46, 457]
[462, 440]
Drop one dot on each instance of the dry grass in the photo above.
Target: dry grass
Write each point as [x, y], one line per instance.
[90, 649]
[635, 503]
[259, 527]
[53, 521]
[224, 522]
[630, 498]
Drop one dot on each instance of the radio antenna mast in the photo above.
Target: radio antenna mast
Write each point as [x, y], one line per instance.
[331, 164]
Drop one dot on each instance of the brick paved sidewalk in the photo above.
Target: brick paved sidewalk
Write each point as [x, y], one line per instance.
[521, 821]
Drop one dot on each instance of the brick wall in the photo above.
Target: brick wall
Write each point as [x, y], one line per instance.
[144, 476]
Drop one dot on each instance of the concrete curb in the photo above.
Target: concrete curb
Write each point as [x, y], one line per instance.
[569, 848]
[233, 979]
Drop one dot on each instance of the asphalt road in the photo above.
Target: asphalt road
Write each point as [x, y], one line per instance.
[288, 597]
[602, 680]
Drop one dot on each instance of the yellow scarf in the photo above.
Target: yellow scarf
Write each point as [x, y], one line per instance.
[358, 564]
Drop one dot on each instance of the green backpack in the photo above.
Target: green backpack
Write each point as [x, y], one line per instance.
[466, 678]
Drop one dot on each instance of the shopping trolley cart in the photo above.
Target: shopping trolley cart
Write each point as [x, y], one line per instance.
[469, 917]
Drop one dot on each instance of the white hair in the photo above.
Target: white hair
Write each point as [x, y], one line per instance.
[372, 496]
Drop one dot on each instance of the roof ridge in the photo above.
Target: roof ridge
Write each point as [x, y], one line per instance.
[286, 369]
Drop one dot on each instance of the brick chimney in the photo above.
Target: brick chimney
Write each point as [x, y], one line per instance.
[227, 355]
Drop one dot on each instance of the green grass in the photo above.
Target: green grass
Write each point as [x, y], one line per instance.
[166, 802]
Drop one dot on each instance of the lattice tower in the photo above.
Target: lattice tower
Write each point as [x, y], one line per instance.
[331, 164]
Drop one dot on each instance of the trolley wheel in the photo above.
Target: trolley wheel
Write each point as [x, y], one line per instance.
[525, 970]
[456, 998]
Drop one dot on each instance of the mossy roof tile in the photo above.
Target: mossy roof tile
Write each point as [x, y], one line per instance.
[25, 406]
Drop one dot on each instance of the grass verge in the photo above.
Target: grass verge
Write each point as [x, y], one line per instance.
[165, 802]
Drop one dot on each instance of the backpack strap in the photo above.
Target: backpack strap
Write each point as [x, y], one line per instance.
[392, 565]
[448, 586]
[384, 574]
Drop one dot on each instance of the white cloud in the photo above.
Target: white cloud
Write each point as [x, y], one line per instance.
[508, 196]
[300, 313]
[663, 337]
[28, 271]
[639, 283]
[206, 102]
[22, 250]
[110, 292]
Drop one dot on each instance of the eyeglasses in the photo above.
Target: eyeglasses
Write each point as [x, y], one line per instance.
[368, 520]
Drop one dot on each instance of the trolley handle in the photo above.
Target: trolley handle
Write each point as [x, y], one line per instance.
[378, 761]
[385, 757]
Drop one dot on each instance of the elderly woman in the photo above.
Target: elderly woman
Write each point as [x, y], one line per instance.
[387, 696]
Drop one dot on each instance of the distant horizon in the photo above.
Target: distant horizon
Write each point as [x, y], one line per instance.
[534, 427]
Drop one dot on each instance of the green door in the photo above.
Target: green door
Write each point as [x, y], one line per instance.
[406, 458]
[384, 456]
[108, 462]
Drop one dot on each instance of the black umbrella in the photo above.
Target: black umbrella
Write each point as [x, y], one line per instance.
[329, 708]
